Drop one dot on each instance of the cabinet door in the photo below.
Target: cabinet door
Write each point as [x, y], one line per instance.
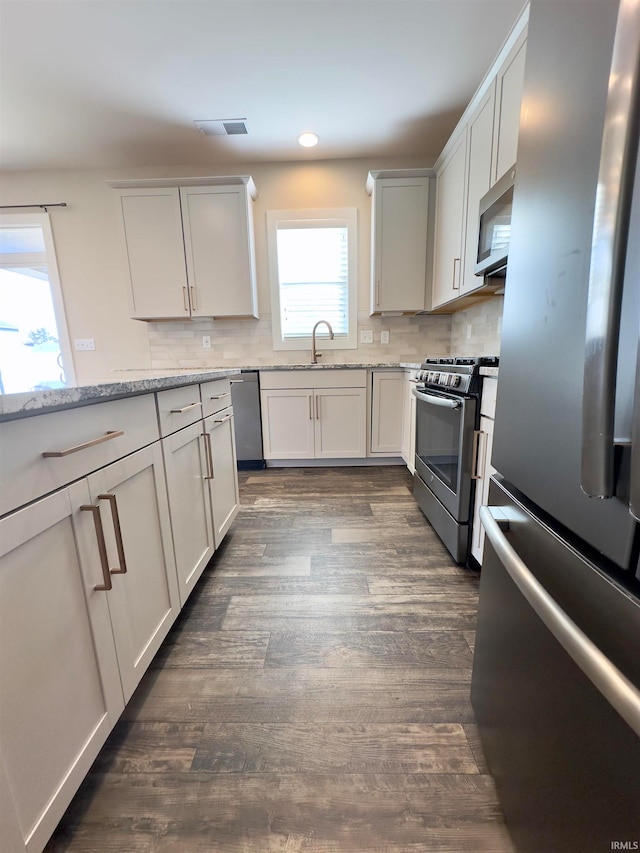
[60, 692]
[386, 412]
[154, 249]
[223, 484]
[509, 83]
[144, 601]
[218, 243]
[340, 416]
[288, 423]
[448, 233]
[409, 421]
[484, 469]
[480, 148]
[186, 465]
[399, 230]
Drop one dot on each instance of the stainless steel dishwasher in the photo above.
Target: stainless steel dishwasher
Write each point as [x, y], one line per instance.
[245, 396]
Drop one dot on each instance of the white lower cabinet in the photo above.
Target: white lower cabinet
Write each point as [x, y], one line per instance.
[409, 421]
[386, 412]
[484, 468]
[223, 475]
[144, 600]
[314, 423]
[60, 690]
[186, 464]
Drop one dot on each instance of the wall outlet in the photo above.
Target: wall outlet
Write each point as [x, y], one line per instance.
[206, 341]
[384, 337]
[366, 336]
[84, 344]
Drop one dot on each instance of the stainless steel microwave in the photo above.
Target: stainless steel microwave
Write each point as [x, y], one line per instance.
[494, 229]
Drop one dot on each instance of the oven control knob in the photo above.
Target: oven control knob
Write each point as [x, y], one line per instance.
[454, 380]
[442, 379]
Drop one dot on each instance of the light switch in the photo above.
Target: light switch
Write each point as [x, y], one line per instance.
[84, 344]
[366, 336]
[384, 337]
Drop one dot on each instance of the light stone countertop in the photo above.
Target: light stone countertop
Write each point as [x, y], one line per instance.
[127, 383]
[489, 371]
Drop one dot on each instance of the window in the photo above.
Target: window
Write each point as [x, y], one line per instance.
[34, 344]
[313, 273]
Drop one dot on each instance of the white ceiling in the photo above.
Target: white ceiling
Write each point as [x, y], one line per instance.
[102, 83]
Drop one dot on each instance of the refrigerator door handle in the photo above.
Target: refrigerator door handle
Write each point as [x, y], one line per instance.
[612, 684]
[608, 250]
[634, 478]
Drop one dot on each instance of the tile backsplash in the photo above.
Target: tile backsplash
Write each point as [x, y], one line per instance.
[235, 343]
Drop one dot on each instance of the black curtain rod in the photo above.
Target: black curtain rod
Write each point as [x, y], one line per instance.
[43, 206]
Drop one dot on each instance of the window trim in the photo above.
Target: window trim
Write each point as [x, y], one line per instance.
[325, 215]
[43, 220]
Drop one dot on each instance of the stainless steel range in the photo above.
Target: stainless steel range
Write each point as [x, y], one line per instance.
[447, 419]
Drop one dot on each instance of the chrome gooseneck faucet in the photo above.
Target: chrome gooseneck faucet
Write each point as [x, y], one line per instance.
[314, 354]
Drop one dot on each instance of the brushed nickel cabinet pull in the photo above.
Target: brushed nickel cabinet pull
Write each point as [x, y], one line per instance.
[222, 420]
[185, 299]
[113, 503]
[378, 291]
[310, 409]
[455, 286]
[184, 408]
[102, 547]
[55, 454]
[235, 381]
[317, 407]
[474, 455]
[221, 396]
[194, 300]
[209, 456]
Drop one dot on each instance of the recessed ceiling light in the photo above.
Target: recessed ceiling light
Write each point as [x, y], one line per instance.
[308, 139]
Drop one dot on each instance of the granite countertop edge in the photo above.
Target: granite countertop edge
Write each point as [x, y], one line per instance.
[133, 382]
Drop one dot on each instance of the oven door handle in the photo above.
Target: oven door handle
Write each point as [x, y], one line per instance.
[436, 401]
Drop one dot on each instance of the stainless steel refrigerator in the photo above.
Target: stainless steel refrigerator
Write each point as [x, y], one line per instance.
[556, 673]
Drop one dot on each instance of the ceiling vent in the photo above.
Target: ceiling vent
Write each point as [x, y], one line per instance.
[223, 127]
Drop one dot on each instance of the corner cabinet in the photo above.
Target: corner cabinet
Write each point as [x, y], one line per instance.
[189, 247]
[400, 208]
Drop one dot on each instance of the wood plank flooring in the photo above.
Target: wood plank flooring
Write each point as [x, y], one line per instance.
[312, 697]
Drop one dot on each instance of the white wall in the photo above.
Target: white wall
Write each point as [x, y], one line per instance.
[92, 273]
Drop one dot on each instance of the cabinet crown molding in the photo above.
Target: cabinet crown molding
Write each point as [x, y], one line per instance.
[378, 174]
[205, 181]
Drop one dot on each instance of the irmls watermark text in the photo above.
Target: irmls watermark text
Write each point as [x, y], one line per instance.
[625, 845]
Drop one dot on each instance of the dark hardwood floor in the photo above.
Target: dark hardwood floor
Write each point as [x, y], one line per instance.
[312, 697]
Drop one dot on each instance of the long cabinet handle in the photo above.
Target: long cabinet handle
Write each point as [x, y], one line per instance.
[185, 408]
[608, 252]
[208, 452]
[612, 684]
[55, 454]
[310, 407]
[185, 299]
[113, 503]
[235, 381]
[378, 291]
[221, 396]
[474, 455]
[194, 299]
[222, 420]
[106, 584]
[317, 406]
[455, 286]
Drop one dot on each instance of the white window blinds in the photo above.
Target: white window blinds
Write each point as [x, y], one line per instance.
[313, 276]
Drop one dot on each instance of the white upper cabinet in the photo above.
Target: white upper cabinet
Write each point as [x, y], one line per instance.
[189, 249]
[399, 228]
[480, 149]
[449, 216]
[509, 83]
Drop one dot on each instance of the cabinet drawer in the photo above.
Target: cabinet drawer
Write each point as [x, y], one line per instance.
[488, 402]
[216, 396]
[178, 407]
[324, 378]
[79, 435]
